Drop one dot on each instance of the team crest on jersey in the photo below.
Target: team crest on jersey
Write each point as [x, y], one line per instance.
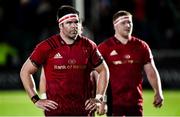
[57, 56]
[71, 61]
[113, 53]
[127, 56]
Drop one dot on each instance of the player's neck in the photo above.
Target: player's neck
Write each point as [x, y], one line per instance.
[66, 39]
[123, 40]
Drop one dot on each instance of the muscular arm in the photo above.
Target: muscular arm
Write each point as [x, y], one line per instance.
[101, 109]
[154, 80]
[42, 85]
[103, 79]
[26, 75]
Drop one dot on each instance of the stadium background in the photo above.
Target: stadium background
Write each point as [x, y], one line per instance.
[24, 23]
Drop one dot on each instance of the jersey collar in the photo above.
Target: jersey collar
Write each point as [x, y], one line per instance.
[62, 42]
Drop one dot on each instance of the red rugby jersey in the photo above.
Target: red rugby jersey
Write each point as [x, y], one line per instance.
[125, 63]
[67, 71]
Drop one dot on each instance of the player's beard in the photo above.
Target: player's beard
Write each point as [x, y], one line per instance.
[73, 34]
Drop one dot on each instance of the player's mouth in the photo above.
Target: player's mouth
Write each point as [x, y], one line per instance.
[74, 32]
[128, 30]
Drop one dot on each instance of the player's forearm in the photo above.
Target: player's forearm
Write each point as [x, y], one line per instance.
[27, 70]
[28, 83]
[103, 80]
[102, 84]
[155, 81]
[156, 85]
[153, 77]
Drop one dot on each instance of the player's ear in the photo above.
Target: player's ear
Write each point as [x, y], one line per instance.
[60, 26]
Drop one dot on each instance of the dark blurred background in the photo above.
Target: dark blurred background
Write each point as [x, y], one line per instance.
[24, 23]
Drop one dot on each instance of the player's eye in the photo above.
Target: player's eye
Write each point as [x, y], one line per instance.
[76, 21]
[71, 22]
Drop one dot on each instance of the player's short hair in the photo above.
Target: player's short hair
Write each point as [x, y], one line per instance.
[66, 9]
[121, 13]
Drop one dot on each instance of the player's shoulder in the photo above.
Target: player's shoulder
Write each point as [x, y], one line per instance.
[48, 43]
[53, 41]
[87, 41]
[107, 43]
[138, 40]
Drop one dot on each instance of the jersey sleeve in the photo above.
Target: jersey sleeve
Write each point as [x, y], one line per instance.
[147, 53]
[96, 57]
[40, 53]
[101, 48]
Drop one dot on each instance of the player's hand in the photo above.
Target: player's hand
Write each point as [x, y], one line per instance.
[91, 105]
[158, 100]
[102, 108]
[46, 104]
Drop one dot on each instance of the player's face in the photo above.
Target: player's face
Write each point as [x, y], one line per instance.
[70, 28]
[124, 28]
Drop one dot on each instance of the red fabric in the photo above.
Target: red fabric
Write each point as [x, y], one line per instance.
[136, 110]
[125, 63]
[67, 71]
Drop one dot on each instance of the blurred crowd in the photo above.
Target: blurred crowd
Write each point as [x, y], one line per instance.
[23, 23]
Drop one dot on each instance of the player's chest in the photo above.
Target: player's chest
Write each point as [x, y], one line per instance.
[69, 55]
[124, 55]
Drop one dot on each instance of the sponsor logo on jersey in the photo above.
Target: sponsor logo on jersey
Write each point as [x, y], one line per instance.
[67, 67]
[113, 53]
[117, 62]
[58, 56]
